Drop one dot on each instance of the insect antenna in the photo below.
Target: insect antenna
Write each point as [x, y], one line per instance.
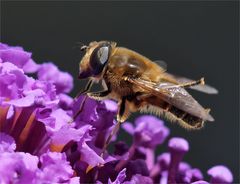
[80, 45]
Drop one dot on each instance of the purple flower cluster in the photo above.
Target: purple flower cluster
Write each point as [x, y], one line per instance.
[39, 143]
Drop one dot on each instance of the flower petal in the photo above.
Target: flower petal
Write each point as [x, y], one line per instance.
[16, 56]
[220, 174]
[7, 143]
[90, 156]
[62, 80]
[139, 179]
[26, 101]
[55, 167]
[30, 66]
[21, 167]
[120, 177]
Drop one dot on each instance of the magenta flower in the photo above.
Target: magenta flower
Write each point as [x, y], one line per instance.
[62, 80]
[7, 143]
[26, 168]
[18, 57]
[220, 174]
[149, 131]
[120, 178]
[39, 142]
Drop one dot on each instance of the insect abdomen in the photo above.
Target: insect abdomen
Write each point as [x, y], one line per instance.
[172, 113]
[186, 120]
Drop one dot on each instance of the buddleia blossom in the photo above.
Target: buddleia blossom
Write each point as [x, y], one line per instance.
[40, 142]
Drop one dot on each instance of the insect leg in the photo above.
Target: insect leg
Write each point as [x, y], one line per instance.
[121, 110]
[79, 110]
[94, 95]
[86, 89]
[189, 84]
[99, 95]
[194, 83]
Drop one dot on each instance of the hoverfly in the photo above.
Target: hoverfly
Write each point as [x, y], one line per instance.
[139, 84]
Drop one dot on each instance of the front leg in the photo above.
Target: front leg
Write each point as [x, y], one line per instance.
[86, 89]
[100, 95]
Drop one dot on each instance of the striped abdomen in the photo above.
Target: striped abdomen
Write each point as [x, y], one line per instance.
[159, 107]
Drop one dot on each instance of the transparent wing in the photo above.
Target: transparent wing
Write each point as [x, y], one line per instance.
[202, 88]
[161, 63]
[175, 96]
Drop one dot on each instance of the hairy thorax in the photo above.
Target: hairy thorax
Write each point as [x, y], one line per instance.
[117, 85]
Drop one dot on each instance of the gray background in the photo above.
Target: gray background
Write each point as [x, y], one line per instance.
[195, 39]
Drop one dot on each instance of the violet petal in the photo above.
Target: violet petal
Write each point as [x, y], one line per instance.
[7, 143]
[139, 179]
[120, 177]
[55, 167]
[178, 147]
[220, 174]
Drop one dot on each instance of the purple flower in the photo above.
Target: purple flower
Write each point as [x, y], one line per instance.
[67, 134]
[164, 161]
[24, 168]
[12, 81]
[137, 166]
[120, 178]
[7, 143]
[91, 157]
[193, 175]
[54, 167]
[18, 167]
[149, 131]
[100, 114]
[18, 57]
[220, 174]
[62, 80]
[139, 179]
[40, 142]
[177, 147]
[65, 101]
[200, 182]
[30, 112]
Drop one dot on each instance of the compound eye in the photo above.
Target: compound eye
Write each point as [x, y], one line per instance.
[99, 58]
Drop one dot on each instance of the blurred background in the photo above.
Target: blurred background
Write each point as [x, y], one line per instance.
[195, 39]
